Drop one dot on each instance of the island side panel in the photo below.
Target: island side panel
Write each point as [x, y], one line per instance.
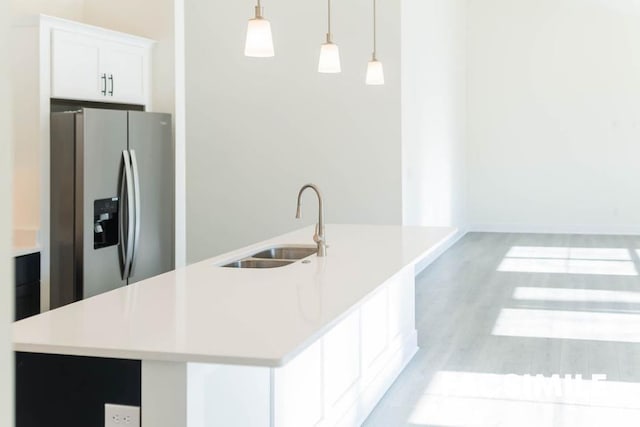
[164, 394]
[226, 395]
[71, 391]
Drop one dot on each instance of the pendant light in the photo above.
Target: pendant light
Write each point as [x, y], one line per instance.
[329, 52]
[375, 72]
[259, 43]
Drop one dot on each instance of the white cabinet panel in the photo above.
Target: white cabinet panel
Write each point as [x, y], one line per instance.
[230, 396]
[341, 358]
[98, 69]
[124, 66]
[375, 315]
[75, 72]
[401, 304]
[298, 390]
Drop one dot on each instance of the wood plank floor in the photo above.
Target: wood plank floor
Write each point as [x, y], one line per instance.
[496, 310]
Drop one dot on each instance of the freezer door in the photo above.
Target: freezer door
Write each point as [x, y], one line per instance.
[102, 138]
[150, 143]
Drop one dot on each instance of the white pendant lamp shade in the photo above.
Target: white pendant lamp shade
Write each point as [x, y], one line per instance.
[329, 52]
[259, 43]
[329, 58]
[375, 73]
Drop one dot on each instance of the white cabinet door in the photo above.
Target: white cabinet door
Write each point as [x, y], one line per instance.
[75, 70]
[298, 390]
[401, 304]
[341, 359]
[124, 66]
[375, 321]
[96, 69]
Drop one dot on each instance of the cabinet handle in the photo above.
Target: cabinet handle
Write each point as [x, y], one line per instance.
[104, 84]
[111, 80]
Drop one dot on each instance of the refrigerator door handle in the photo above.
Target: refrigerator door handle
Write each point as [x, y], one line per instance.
[136, 192]
[126, 238]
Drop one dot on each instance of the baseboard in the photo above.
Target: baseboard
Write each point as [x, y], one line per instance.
[609, 230]
[444, 246]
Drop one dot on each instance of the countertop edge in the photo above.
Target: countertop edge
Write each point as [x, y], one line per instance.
[18, 252]
[148, 355]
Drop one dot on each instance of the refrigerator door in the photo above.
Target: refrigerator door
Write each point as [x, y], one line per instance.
[101, 140]
[151, 148]
[65, 285]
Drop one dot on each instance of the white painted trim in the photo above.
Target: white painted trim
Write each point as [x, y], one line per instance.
[180, 137]
[6, 267]
[44, 52]
[611, 230]
[93, 31]
[442, 248]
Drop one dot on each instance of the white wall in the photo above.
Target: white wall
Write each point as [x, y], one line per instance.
[6, 276]
[433, 111]
[69, 9]
[27, 152]
[554, 115]
[257, 130]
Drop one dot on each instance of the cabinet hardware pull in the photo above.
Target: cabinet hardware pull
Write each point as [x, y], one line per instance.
[111, 80]
[104, 84]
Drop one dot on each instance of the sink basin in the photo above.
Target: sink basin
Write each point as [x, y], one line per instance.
[291, 253]
[258, 263]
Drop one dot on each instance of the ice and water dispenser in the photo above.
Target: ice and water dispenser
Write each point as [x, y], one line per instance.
[105, 223]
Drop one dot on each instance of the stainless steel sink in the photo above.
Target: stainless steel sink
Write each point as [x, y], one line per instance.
[287, 253]
[258, 263]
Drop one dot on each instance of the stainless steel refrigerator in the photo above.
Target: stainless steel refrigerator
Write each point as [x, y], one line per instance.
[112, 201]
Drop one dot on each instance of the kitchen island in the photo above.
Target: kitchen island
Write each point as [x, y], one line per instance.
[315, 342]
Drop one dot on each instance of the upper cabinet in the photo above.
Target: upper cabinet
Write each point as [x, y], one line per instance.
[91, 67]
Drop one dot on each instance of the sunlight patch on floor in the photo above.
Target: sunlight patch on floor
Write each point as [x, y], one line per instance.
[577, 325]
[565, 260]
[553, 252]
[568, 266]
[484, 399]
[524, 293]
[450, 411]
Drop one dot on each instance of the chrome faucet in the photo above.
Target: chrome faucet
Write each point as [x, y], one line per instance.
[319, 236]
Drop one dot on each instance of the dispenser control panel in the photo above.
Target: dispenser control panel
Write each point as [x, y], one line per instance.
[105, 222]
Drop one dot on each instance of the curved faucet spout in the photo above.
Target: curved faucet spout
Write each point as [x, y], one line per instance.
[319, 236]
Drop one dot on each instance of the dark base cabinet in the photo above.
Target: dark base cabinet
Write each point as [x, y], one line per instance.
[70, 391]
[27, 268]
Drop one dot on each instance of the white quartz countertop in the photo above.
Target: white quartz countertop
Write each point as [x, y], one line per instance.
[207, 313]
[19, 251]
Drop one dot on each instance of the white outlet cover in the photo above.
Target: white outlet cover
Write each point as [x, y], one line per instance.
[121, 415]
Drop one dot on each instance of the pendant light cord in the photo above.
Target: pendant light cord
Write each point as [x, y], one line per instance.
[329, 21]
[374, 31]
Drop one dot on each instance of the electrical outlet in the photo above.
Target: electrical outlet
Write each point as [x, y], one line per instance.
[121, 415]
